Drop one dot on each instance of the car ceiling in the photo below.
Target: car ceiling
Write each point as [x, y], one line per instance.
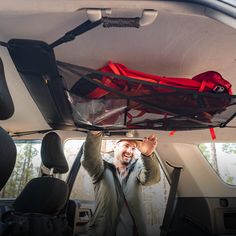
[181, 42]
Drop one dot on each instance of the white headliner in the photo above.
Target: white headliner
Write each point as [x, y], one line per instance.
[182, 42]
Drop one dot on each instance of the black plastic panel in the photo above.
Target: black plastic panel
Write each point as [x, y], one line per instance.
[204, 217]
[6, 103]
[35, 62]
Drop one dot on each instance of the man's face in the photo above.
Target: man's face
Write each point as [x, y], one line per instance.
[124, 151]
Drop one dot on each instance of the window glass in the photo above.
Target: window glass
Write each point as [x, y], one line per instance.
[230, 2]
[71, 149]
[154, 197]
[27, 166]
[222, 158]
[83, 188]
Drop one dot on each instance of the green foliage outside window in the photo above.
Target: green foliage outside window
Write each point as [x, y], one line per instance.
[230, 148]
[27, 166]
[222, 158]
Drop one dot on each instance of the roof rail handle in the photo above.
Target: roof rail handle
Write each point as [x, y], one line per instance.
[148, 17]
[94, 14]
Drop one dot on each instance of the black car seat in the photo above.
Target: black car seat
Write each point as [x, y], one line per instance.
[7, 146]
[46, 194]
[7, 157]
[37, 208]
[7, 163]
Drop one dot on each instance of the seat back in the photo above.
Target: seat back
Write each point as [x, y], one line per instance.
[46, 194]
[7, 157]
[7, 107]
[7, 146]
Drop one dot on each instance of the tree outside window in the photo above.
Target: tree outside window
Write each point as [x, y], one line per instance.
[222, 158]
[27, 167]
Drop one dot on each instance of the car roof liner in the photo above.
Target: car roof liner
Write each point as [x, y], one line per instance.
[51, 82]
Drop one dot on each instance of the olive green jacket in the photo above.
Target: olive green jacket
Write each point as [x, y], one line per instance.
[108, 190]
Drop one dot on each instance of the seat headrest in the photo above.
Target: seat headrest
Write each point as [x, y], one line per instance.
[6, 104]
[7, 157]
[52, 153]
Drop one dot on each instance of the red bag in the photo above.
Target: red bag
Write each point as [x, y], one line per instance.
[209, 81]
[145, 97]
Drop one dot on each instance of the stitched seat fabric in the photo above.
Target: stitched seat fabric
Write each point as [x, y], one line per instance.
[46, 194]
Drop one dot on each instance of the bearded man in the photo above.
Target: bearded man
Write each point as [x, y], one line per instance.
[117, 184]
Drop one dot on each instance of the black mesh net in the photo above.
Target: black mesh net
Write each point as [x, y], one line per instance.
[163, 108]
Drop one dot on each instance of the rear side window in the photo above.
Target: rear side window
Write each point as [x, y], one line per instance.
[27, 167]
[222, 158]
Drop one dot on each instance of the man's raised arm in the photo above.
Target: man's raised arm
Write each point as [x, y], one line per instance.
[92, 160]
[150, 172]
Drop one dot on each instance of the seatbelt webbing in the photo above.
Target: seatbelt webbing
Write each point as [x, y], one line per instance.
[72, 176]
[74, 170]
[171, 204]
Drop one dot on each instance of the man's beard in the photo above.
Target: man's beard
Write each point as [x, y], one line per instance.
[126, 160]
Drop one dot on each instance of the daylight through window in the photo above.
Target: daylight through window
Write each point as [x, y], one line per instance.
[222, 157]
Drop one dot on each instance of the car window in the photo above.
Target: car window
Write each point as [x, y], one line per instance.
[222, 158]
[230, 2]
[27, 167]
[154, 197]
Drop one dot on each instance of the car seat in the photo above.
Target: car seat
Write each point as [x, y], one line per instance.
[7, 146]
[46, 194]
[7, 157]
[37, 208]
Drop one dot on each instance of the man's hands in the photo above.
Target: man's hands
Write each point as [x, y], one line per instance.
[148, 145]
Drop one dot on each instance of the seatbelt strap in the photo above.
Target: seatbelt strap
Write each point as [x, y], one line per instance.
[74, 170]
[72, 176]
[135, 229]
[171, 204]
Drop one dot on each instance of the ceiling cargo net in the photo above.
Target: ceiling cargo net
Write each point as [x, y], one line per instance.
[116, 97]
